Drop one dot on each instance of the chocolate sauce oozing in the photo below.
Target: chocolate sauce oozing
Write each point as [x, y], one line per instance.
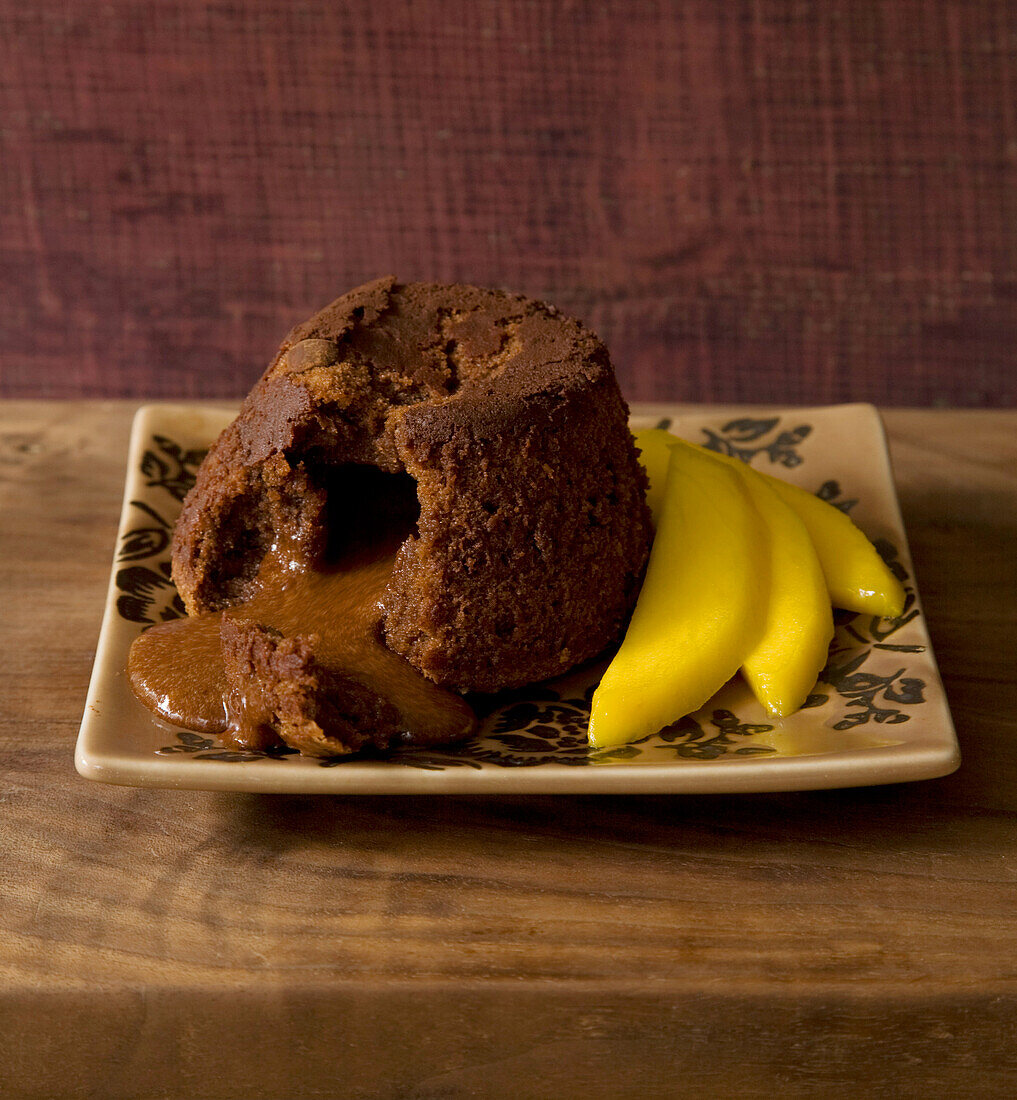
[177, 669]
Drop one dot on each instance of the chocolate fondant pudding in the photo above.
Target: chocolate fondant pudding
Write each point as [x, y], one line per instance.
[305, 650]
[432, 490]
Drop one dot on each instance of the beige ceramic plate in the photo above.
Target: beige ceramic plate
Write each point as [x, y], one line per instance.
[878, 716]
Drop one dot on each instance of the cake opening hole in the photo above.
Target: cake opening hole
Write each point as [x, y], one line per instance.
[367, 506]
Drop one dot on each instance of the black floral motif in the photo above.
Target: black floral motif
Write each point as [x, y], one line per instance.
[147, 594]
[866, 691]
[144, 542]
[525, 734]
[168, 466]
[539, 715]
[875, 630]
[863, 689]
[890, 555]
[735, 434]
[830, 491]
[816, 699]
[205, 748]
[144, 587]
[140, 587]
[697, 744]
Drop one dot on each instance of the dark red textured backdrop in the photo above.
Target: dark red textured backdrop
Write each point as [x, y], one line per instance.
[750, 201]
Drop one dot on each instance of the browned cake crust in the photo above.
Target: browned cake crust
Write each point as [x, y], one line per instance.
[533, 530]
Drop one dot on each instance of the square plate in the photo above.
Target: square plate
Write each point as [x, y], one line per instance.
[879, 715]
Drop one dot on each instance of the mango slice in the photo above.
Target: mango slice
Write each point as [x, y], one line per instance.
[701, 609]
[785, 665]
[857, 578]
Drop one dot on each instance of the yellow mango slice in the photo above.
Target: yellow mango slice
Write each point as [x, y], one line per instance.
[700, 611]
[857, 578]
[783, 667]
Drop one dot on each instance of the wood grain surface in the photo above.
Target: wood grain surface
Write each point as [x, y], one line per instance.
[186, 944]
[750, 200]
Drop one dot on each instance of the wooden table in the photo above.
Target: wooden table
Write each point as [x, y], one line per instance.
[160, 943]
